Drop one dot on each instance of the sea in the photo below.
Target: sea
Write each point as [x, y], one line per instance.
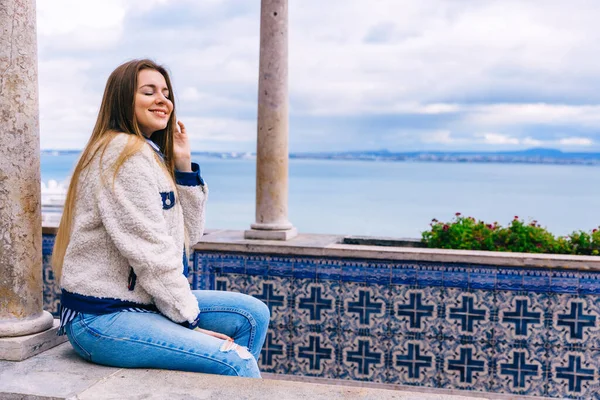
[394, 199]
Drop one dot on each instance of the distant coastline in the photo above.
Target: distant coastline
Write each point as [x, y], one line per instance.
[530, 156]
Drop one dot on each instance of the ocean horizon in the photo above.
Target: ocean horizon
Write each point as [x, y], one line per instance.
[394, 199]
[525, 156]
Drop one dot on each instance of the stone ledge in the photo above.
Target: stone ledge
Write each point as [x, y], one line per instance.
[153, 384]
[257, 234]
[320, 245]
[331, 246]
[19, 348]
[60, 374]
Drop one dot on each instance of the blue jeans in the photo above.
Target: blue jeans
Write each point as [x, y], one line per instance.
[150, 340]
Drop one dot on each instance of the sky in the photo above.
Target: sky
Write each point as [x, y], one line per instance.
[402, 75]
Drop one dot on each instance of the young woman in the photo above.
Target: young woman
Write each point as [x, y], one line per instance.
[135, 203]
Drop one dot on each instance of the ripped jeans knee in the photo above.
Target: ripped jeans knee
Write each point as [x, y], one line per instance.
[242, 351]
[246, 365]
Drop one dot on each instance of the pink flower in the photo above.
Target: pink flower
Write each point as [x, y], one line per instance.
[457, 214]
[516, 217]
[446, 227]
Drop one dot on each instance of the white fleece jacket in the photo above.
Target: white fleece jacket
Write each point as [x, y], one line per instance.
[133, 225]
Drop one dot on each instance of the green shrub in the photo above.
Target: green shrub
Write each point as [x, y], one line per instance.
[467, 233]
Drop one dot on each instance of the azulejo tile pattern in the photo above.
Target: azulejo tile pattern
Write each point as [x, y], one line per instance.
[413, 362]
[469, 327]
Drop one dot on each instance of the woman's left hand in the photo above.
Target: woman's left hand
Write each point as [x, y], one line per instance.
[214, 334]
[181, 149]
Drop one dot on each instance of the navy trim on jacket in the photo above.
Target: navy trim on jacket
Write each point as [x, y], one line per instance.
[189, 178]
[73, 304]
[98, 305]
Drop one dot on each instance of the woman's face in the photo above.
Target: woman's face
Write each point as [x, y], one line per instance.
[152, 105]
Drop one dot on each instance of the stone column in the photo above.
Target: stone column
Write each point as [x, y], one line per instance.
[272, 131]
[21, 284]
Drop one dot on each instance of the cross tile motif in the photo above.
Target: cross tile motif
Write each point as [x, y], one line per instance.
[519, 369]
[364, 307]
[269, 297]
[270, 350]
[415, 310]
[413, 360]
[574, 374]
[466, 365]
[467, 314]
[576, 320]
[364, 357]
[315, 303]
[315, 353]
[522, 317]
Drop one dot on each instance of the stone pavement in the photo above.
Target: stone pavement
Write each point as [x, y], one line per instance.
[60, 374]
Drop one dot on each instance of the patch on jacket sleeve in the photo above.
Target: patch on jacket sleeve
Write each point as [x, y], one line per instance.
[168, 199]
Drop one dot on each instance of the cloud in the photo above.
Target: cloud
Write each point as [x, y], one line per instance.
[539, 113]
[576, 141]
[75, 24]
[67, 110]
[529, 141]
[443, 137]
[500, 140]
[220, 134]
[402, 73]
[437, 51]
[496, 138]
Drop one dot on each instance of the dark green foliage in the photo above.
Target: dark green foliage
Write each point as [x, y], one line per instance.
[467, 233]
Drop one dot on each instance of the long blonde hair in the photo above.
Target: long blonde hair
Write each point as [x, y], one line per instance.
[116, 115]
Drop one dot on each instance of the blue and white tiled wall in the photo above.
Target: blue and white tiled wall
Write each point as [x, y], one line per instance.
[480, 328]
[506, 330]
